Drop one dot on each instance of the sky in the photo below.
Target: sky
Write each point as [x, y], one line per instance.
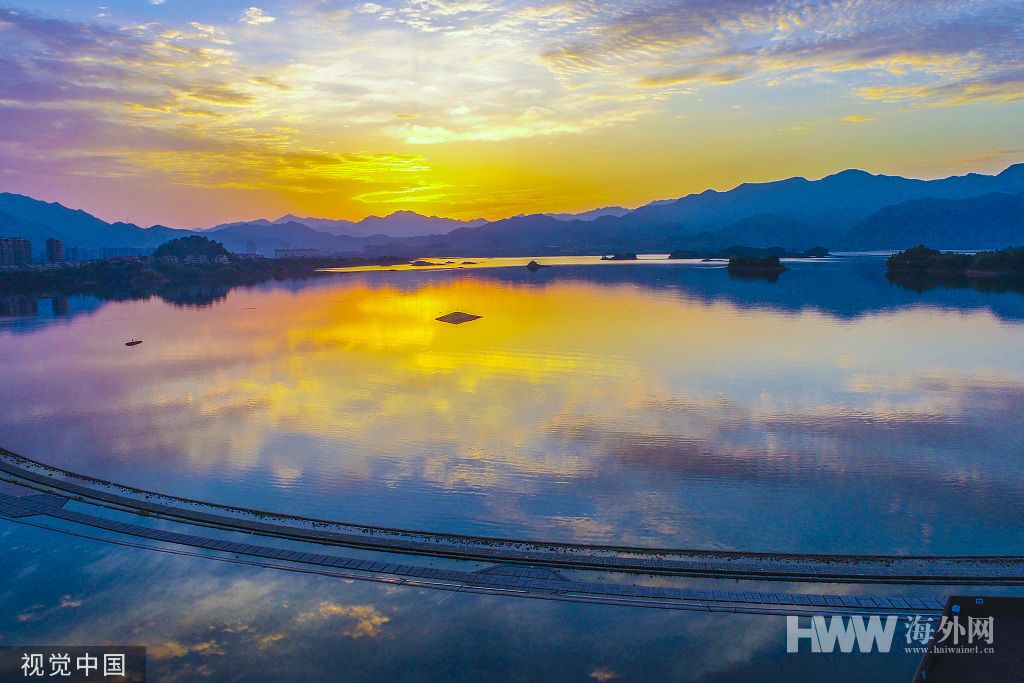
[188, 113]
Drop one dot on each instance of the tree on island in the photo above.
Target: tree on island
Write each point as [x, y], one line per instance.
[193, 245]
[921, 259]
[762, 263]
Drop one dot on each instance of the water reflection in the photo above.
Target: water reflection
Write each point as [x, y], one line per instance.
[638, 403]
[923, 282]
[228, 623]
[756, 275]
[847, 287]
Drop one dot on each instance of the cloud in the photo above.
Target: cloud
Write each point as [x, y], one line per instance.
[254, 16]
[173, 649]
[951, 52]
[270, 82]
[94, 100]
[268, 640]
[321, 10]
[729, 74]
[603, 674]
[419, 193]
[221, 94]
[617, 62]
[365, 620]
[67, 602]
[999, 88]
[421, 80]
[859, 118]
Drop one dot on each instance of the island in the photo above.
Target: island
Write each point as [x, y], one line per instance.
[756, 264]
[619, 257]
[1006, 263]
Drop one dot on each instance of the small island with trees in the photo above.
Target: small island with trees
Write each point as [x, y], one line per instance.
[756, 264]
[1006, 263]
[752, 262]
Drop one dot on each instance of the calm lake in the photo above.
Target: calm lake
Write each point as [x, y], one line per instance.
[650, 403]
[646, 403]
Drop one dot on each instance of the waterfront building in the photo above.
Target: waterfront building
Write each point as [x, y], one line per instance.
[14, 252]
[298, 253]
[54, 251]
[125, 252]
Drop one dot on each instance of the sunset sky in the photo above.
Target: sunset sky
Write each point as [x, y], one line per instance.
[190, 112]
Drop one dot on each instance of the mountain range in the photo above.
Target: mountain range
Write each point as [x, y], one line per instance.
[852, 210]
[397, 224]
[36, 221]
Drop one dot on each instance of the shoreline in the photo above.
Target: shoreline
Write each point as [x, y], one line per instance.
[151, 276]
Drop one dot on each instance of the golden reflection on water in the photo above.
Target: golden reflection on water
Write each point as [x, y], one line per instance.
[571, 408]
[480, 263]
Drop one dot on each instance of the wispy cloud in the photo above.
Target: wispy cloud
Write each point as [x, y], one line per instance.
[144, 100]
[392, 101]
[255, 16]
[364, 621]
[604, 674]
[955, 51]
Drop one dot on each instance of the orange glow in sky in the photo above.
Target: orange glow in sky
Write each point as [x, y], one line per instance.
[190, 114]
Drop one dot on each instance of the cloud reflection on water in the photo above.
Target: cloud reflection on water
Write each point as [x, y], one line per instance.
[573, 409]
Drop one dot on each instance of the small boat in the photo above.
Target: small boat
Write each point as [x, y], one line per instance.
[133, 342]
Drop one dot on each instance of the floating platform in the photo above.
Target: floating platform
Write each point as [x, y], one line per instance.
[458, 317]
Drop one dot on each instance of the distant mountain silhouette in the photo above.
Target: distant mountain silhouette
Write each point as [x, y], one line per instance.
[411, 224]
[399, 224]
[590, 215]
[267, 238]
[851, 209]
[328, 225]
[769, 230]
[794, 213]
[837, 201]
[36, 221]
[991, 221]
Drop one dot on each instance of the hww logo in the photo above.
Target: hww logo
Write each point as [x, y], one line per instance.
[824, 633]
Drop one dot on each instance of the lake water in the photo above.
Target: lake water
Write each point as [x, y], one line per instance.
[649, 403]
